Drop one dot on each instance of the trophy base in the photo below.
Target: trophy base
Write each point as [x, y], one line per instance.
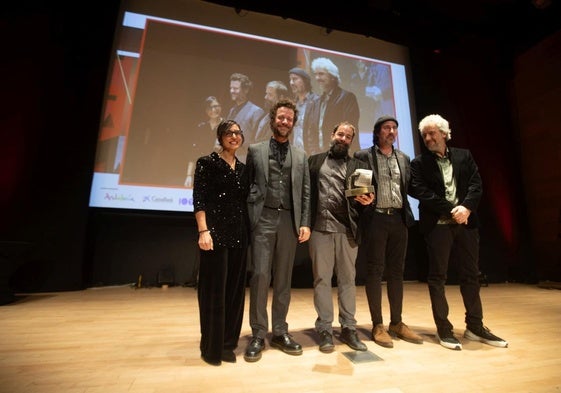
[359, 191]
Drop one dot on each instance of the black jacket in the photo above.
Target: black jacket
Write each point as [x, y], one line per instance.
[427, 185]
[354, 208]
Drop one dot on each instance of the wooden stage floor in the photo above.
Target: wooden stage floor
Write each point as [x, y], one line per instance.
[121, 339]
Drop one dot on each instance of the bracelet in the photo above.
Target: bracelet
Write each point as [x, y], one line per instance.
[204, 230]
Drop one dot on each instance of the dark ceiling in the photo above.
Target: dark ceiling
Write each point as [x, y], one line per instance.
[514, 25]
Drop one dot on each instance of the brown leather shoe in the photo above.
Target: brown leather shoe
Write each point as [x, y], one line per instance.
[381, 337]
[402, 331]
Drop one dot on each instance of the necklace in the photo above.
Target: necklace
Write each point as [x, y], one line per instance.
[231, 163]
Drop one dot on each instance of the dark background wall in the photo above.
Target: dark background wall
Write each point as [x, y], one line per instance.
[502, 101]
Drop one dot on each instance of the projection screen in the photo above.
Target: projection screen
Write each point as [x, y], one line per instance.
[170, 56]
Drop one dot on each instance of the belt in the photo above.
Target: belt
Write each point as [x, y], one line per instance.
[446, 221]
[390, 211]
[280, 208]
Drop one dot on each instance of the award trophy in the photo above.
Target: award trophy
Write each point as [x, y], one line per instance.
[360, 182]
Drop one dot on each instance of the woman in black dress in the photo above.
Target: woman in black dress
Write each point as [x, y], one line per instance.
[219, 197]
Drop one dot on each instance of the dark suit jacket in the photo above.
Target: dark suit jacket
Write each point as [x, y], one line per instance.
[353, 207]
[403, 161]
[248, 116]
[258, 169]
[427, 186]
[342, 106]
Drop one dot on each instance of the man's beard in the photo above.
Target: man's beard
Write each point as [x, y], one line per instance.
[277, 132]
[267, 105]
[339, 150]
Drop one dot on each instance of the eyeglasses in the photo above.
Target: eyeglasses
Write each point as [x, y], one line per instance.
[230, 134]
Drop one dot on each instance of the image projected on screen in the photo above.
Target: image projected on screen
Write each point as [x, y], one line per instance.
[171, 82]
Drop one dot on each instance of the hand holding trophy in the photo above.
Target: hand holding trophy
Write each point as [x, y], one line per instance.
[359, 183]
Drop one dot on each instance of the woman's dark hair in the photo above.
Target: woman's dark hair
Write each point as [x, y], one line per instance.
[209, 100]
[224, 127]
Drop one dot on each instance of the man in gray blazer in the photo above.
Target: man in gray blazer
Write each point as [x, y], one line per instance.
[244, 112]
[279, 215]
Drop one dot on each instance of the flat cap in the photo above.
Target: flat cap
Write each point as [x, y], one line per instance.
[382, 119]
[300, 72]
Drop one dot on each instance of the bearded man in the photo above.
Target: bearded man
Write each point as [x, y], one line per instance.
[334, 240]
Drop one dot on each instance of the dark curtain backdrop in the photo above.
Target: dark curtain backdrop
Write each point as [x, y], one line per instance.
[55, 66]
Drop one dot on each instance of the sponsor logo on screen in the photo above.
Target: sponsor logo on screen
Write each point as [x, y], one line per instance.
[156, 199]
[118, 197]
[185, 201]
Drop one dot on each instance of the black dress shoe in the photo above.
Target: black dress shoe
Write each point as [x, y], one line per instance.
[285, 343]
[349, 337]
[326, 342]
[254, 349]
[228, 356]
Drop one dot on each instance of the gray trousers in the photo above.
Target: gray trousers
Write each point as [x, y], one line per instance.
[333, 253]
[273, 248]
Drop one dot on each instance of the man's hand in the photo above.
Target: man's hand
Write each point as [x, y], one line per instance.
[365, 199]
[304, 234]
[460, 214]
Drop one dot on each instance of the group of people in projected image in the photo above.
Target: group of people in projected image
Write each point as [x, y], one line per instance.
[369, 96]
[251, 217]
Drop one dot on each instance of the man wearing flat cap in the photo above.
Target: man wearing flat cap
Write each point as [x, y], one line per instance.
[305, 99]
[385, 231]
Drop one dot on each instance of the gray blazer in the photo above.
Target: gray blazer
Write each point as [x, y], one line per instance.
[258, 169]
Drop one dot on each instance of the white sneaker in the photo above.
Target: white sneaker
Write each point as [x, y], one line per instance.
[484, 335]
[447, 340]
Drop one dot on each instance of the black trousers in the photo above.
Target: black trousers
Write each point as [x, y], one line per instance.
[221, 296]
[440, 243]
[385, 244]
